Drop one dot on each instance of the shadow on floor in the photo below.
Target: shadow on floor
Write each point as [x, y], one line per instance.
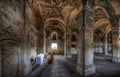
[59, 68]
[105, 67]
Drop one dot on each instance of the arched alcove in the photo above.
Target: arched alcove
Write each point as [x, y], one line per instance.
[55, 34]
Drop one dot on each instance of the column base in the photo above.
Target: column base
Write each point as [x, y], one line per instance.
[116, 59]
[88, 71]
[80, 68]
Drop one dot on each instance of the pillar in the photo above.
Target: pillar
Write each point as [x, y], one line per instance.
[65, 52]
[85, 65]
[100, 48]
[68, 41]
[116, 45]
[116, 38]
[45, 41]
[105, 45]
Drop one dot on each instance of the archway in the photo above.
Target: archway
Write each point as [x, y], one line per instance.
[74, 45]
[105, 23]
[55, 32]
[101, 30]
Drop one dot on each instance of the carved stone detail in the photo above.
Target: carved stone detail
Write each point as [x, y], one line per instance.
[6, 35]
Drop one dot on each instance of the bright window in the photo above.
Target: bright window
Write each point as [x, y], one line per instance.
[54, 46]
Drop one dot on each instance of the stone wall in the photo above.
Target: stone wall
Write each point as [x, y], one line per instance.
[18, 38]
[31, 37]
[41, 35]
[11, 30]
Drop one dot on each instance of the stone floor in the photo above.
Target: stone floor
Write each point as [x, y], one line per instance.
[59, 68]
[105, 67]
[64, 68]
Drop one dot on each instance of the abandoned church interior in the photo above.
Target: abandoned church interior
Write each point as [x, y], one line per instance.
[81, 36]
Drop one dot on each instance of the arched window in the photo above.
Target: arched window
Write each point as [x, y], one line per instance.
[54, 36]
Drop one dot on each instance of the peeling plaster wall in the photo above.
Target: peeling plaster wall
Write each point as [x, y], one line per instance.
[11, 30]
[18, 37]
[31, 35]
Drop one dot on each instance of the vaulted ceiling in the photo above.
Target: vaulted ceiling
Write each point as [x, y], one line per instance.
[64, 11]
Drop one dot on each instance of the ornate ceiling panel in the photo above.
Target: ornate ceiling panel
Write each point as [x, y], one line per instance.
[65, 10]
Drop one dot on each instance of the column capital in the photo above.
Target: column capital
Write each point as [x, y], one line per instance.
[89, 4]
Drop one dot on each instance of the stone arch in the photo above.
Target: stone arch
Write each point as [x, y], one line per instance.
[114, 29]
[101, 22]
[110, 14]
[108, 30]
[99, 7]
[54, 35]
[108, 7]
[110, 11]
[62, 27]
[52, 19]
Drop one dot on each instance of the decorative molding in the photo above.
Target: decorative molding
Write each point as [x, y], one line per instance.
[6, 35]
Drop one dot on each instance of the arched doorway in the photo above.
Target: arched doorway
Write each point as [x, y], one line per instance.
[105, 22]
[55, 37]
[54, 43]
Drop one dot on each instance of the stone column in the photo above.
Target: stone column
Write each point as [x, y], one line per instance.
[99, 50]
[116, 38]
[45, 41]
[65, 52]
[85, 65]
[95, 47]
[105, 45]
[116, 45]
[68, 41]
